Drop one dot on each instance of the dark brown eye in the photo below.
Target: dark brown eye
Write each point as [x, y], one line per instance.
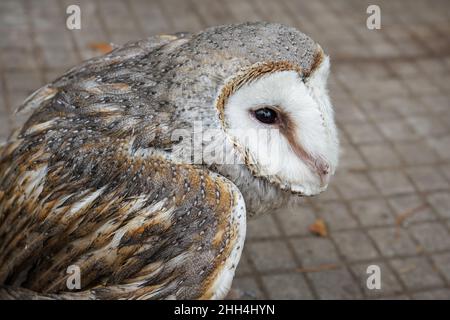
[266, 115]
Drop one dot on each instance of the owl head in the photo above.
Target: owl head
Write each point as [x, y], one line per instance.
[280, 120]
[263, 86]
[269, 89]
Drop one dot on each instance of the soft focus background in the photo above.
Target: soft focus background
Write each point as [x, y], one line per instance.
[389, 204]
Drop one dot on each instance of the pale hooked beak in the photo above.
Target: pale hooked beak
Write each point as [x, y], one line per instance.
[323, 171]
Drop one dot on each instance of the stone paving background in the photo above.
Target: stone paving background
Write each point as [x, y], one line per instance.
[390, 201]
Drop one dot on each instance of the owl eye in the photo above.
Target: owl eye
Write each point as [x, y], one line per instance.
[266, 115]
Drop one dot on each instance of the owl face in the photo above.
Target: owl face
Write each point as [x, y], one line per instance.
[281, 122]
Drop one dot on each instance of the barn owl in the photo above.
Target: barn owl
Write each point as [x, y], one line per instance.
[98, 176]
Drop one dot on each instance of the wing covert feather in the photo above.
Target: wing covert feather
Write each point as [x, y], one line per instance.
[137, 226]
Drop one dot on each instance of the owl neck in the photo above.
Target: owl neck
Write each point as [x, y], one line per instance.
[260, 196]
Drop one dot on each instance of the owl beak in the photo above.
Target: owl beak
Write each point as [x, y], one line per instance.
[323, 171]
[316, 164]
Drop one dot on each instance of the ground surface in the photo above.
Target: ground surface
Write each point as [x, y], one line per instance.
[389, 204]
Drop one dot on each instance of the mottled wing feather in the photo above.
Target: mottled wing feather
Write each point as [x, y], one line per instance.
[88, 182]
[134, 49]
[137, 226]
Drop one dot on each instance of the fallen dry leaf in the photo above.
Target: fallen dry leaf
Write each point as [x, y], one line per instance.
[319, 228]
[102, 47]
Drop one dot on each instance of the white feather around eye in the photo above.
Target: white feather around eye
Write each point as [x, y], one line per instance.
[307, 107]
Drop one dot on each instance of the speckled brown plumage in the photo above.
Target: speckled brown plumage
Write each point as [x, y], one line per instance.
[153, 228]
[90, 180]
